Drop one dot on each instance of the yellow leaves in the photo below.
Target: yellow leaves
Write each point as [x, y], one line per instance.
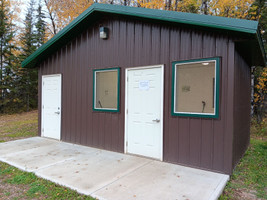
[182, 6]
[230, 8]
[261, 86]
[64, 11]
[154, 4]
[15, 6]
[188, 6]
[253, 12]
[225, 8]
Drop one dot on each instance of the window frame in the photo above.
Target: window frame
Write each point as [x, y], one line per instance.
[216, 92]
[118, 89]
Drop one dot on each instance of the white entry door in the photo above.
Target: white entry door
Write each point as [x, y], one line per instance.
[144, 111]
[51, 106]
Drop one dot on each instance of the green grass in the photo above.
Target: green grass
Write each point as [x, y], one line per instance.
[37, 188]
[18, 126]
[259, 129]
[24, 128]
[250, 175]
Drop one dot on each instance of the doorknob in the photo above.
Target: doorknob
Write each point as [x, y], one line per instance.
[57, 112]
[156, 120]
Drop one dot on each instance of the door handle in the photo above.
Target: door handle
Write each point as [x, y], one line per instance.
[156, 120]
[57, 112]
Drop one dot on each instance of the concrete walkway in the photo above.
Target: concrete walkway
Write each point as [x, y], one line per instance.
[108, 175]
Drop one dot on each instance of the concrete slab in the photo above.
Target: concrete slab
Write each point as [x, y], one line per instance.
[45, 155]
[109, 175]
[159, 180]
[92, 172]
[24, 144]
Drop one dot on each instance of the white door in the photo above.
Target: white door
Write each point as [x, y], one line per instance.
[144, 111]
[51, 106]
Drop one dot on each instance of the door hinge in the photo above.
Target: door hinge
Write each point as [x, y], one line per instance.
[43, 106]
[127, 144]
[42, 129]
[127, 111]
[127, 79]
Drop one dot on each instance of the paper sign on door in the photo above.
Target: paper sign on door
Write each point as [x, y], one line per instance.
[144, 85]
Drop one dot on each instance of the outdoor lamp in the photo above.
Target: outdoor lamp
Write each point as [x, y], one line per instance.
[103, 32]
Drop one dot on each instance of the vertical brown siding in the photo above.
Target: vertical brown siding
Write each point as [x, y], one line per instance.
[229, 116]
[242, 108]
[203, 143]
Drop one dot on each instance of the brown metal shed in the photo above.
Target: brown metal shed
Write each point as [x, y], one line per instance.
[80, 66]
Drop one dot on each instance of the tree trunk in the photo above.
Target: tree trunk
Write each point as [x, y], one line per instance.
[205, 7]
[170, 4]
[176, 5]
[252, 90]
[54, 32]
[1, 74]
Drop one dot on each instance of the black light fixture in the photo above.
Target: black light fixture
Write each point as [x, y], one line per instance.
[103, 32]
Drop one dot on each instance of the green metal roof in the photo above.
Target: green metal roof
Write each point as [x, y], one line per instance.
[229, 24]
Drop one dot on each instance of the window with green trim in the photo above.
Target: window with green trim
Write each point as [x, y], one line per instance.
[106, 90]
[196, 88]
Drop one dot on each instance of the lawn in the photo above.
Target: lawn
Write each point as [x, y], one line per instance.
[18, 126]
[18, 185]
[248, 182]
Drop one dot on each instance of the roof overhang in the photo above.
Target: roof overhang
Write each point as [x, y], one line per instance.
[244, 27]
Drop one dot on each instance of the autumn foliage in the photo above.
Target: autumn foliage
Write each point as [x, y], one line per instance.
[260, 92]
[62, 12]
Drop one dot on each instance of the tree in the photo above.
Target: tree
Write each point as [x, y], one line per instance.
[61, 13]
[230, 8]
[191, 6]
[29, 77]
[204, 7]
[6, 53]
[258, 12]
[260, 92]
[28, 38]
[154, 4]
[51, 8]
[41, 36]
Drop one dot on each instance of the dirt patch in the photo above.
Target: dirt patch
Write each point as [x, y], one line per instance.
[248, 195]
[244, 194]
[8, 191]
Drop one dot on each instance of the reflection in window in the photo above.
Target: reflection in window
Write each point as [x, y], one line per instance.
[195, 87]
[106, 89]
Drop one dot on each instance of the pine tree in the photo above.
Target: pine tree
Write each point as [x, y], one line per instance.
[28, 38]
[40, 26]
[29, 77]
[6, 54]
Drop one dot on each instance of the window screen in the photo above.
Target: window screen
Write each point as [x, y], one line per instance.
[195, 88]
[106, 89]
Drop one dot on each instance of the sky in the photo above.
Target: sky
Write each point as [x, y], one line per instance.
[24, 8]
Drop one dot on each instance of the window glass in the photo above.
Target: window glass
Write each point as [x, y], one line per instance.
[195, 87]
[106, 89]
